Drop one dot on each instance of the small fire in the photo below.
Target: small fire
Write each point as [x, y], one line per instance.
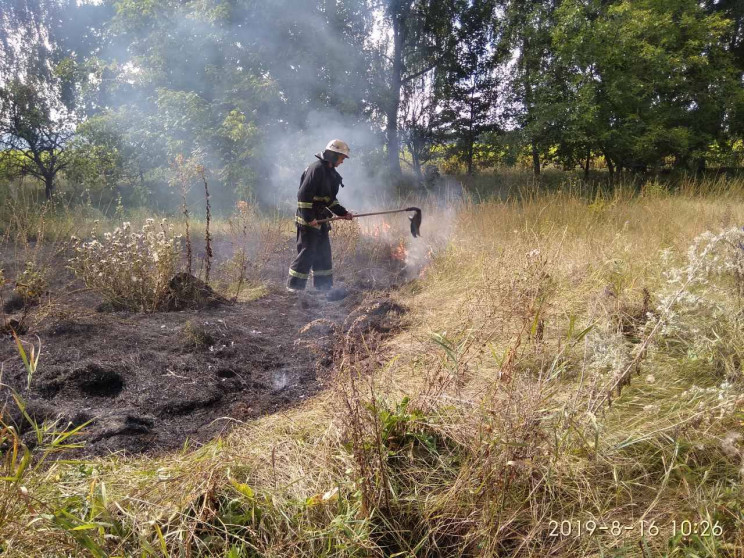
[400, 253]
[380, 230]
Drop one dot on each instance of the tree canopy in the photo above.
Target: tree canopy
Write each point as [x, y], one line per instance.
[639, 84]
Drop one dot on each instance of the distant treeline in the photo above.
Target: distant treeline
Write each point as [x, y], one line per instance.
[108, 94]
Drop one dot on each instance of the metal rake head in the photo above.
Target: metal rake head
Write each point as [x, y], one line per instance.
[415, 221]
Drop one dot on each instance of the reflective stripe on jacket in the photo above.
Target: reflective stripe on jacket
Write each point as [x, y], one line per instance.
[316, 198]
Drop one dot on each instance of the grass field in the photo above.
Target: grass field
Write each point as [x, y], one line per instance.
[568, 382]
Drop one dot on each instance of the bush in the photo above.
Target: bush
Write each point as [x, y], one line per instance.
[700, 309]
[31, 284]
[129, 269]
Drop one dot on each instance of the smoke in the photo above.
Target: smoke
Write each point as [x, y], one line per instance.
[439, 211]
[437, 229]
[256, 89]
[293, 150]
[252, 89]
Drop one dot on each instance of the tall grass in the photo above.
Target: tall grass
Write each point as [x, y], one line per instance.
[495, 419]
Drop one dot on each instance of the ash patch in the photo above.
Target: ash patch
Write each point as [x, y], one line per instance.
[13, 325]
[15, 303]
[121, 423]
[99, 381]
[184, 406]
[70, 327]
[149, 382]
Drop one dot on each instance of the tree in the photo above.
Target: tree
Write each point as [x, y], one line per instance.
[526, 30]
[230, 79]
[422, 38]
[468, 80]
[40, 133]
[733, 11]
[652, 79]
[53, 44]
[44, 45]
[420, 121]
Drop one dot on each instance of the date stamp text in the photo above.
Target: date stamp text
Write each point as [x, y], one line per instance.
[643, 528]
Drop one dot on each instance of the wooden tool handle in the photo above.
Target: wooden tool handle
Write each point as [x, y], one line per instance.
[363, 215]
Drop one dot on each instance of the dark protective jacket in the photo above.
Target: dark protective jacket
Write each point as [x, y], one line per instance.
[316, 198]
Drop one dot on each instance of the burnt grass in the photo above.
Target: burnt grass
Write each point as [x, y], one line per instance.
[146, 383]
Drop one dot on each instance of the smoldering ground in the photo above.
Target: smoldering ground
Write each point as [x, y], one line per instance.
[151, 382]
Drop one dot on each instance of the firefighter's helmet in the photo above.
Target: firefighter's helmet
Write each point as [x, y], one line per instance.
[338, 146]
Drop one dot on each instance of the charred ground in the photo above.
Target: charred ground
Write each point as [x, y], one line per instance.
[146, 382]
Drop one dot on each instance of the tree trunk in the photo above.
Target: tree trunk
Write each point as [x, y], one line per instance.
[588, 161]
[393, 143]
[331, 13]
[415, 159]
[610, 167]
[528, 101]
[48, 186]
[417, 167]
[471, 135]
[331, 10]
[535, 159]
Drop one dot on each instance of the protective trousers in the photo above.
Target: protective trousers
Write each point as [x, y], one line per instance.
[313, 253]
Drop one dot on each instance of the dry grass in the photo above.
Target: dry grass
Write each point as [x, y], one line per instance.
[490, 419]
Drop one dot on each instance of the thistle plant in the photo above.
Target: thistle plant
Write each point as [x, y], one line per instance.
[698, 320]
[693, 317]
[130, 269]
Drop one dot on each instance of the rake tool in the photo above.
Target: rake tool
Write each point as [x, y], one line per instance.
[415, 218]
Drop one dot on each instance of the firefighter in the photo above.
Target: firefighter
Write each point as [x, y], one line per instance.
[316, 200]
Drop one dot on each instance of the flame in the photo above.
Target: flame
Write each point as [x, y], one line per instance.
[400, 253]
[381, 229]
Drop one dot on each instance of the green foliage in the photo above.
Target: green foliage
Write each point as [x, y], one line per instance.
[30, 359]
[469, 83]
[627, 85]
[641, 81]
[34, 131]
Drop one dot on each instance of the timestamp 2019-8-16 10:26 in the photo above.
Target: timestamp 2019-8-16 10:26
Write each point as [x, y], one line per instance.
[644, 528]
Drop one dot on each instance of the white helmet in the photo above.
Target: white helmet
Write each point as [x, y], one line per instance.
[338, 146]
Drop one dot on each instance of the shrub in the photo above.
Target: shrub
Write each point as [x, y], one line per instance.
[130, 269]
[702, 303]
[31, 284]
